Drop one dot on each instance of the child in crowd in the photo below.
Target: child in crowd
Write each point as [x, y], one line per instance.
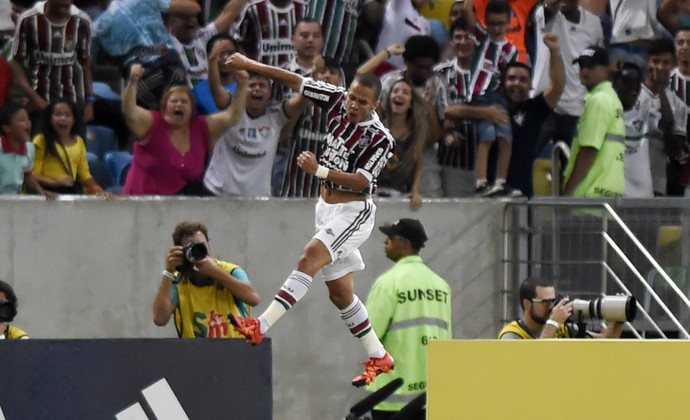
[60, 164]
[17, 152]
[492, 54]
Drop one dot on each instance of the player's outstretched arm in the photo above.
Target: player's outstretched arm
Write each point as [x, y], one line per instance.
[287, 78]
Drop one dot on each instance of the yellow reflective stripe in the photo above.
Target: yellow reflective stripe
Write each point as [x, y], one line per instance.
[396, 398]
[615, 137]
[415, 322]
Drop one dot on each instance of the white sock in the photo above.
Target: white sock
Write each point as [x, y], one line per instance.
[356, 319]
[293, 290]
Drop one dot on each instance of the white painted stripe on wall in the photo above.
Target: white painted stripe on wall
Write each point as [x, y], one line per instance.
[163, 401]
[133, 412]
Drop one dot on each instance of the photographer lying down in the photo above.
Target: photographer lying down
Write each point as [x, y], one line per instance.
[199, 290]
[546, 316]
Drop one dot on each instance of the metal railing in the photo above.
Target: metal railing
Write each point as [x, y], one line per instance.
[534, 235]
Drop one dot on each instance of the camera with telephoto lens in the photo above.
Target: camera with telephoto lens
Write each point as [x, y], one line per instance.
[192, 252]
[7, 312]
[609, 308]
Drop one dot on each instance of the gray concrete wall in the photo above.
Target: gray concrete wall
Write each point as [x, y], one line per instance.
[90, 268]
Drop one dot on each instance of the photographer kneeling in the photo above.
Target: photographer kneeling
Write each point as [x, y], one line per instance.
[544, 316]
[201, 291]
[8, 310]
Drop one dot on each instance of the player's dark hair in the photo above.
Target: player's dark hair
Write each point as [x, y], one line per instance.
[421, 46]
[528, 288]
[371, 81]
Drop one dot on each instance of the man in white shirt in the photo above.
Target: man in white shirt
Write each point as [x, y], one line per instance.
[576, 28]
[627, 83]
[669, 132]
[401, 20]
[190, 41]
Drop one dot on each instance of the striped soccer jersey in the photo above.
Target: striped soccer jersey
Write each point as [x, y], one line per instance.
[51, 53]
[266, 30]
[680, 84]
[489, 61]
[338, 22]
[354, 148]
[459, 80]
[309, 134]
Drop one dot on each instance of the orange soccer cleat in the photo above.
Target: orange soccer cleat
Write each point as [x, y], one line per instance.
[372, 368]
[249, 328]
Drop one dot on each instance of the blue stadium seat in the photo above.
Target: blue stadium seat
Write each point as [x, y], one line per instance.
[100, 140]
[118, 163]
[99, 171]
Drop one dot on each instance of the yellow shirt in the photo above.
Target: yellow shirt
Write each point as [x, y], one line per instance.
[72, 160]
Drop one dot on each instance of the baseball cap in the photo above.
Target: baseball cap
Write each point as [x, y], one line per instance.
[410, 229]
[593, 56]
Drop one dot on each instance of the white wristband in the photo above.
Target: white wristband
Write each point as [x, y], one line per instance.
[553, 323]
[322, 172]
[168, 274]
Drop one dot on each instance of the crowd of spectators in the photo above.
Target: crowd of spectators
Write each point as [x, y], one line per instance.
[459, 123]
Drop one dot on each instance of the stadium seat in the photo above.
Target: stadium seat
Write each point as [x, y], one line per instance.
[100, 140]
[99, 171]
[118, 163]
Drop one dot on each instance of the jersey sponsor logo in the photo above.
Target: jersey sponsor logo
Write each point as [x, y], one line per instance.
[316, 96]
[372, 160]
[489, 66]
[276, 46]
[56, 59]
[306, 134]
[336, 153]
[432, 295]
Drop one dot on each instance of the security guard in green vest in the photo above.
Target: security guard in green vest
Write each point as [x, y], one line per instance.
[408, 305]
[544, 315]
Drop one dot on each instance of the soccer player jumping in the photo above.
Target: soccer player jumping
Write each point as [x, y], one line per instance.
[358, 147]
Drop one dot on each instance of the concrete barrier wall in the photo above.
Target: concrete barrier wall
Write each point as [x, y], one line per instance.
[90, 268]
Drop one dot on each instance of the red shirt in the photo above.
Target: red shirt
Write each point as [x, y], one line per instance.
[5, 80]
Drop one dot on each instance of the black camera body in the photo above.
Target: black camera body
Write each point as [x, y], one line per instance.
[192, 252]
[7, 312]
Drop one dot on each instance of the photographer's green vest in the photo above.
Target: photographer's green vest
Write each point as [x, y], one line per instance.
[516, 327]
[202, 310]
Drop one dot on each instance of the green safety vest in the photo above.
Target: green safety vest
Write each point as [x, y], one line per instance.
[409, 305]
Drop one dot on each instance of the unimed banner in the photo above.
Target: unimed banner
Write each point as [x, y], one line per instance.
[135, 379]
